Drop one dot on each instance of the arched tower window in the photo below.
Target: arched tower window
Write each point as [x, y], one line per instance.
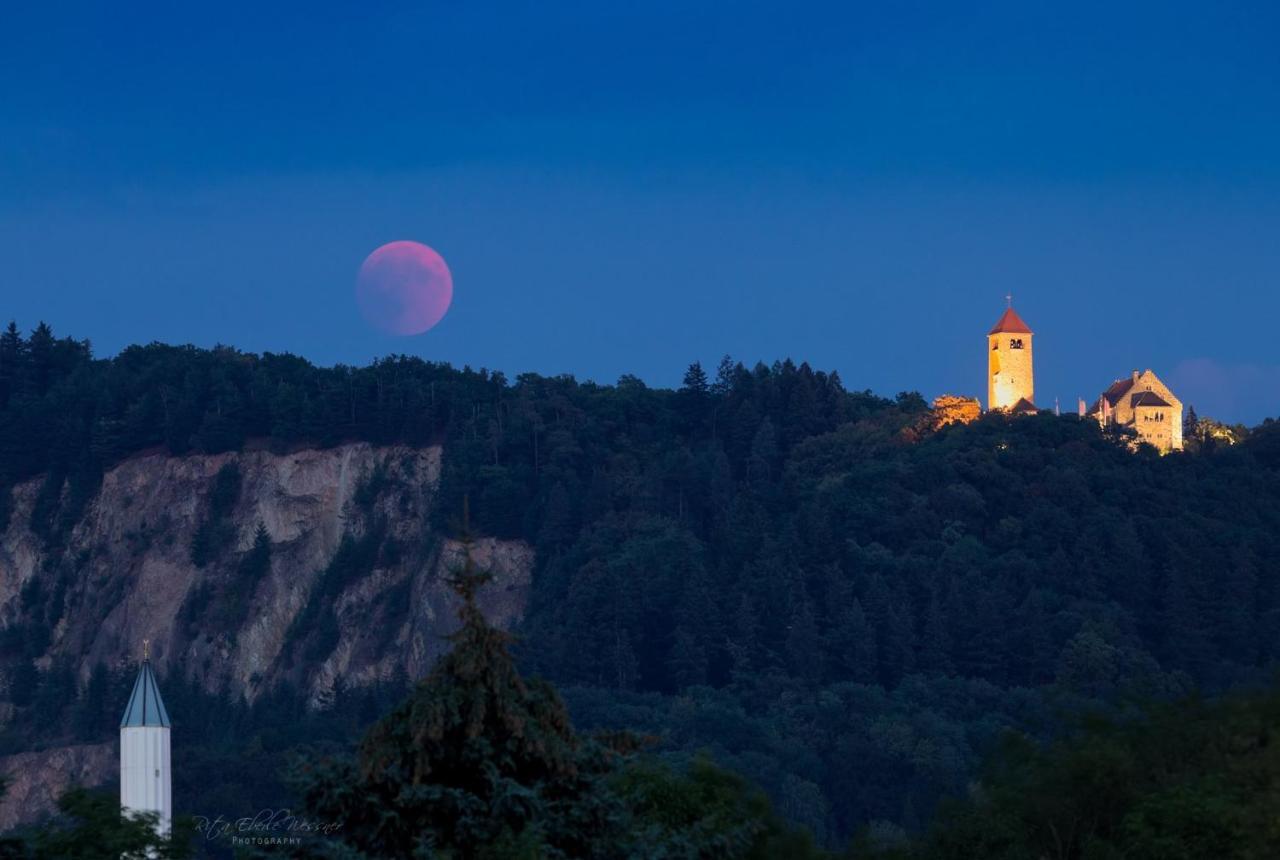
[1015, 343]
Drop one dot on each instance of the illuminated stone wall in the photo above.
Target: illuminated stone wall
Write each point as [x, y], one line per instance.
[1009, 371]
[1161, 426]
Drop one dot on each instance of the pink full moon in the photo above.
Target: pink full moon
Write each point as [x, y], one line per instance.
[404, 288]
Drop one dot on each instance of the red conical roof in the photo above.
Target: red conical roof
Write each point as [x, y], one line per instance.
[1010, 323]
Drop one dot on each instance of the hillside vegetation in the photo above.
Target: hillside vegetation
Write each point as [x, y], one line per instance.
[760, 564]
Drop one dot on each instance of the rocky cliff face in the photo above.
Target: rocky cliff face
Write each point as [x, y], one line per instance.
[355, 587]
[947, 409]
[36, 779]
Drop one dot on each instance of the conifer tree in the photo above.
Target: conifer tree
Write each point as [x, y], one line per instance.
[257, 561]
[1191, 428]
[695, 380]
[725, 373]
[40, 356]
[12, 348]
[477, 762]
[693, 396]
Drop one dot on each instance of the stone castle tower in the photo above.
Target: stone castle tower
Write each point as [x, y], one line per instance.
[145, 784]
[1010, 381]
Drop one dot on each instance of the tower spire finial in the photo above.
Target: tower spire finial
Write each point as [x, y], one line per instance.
[1008, 297]
[146, 782]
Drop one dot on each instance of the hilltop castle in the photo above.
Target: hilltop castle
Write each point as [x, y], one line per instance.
[1141, 402]
[1145, 404]
[1011, 383]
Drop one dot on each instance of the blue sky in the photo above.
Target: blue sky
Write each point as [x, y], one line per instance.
[623, 190]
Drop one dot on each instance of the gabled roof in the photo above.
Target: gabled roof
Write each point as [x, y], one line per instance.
[1010, 323]
[1023, 407]
[145, 707]
[1147, 398]
[1117, 390]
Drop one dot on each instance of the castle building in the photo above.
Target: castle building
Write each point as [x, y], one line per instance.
[1145, 404]
[145, 784]
[1142, 402]
[1010, 380]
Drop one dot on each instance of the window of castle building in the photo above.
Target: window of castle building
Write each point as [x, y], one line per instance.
[995, 344]
[1015, 343]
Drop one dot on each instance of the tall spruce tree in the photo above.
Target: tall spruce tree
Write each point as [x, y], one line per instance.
[12, 349]
[694, 397]
[477, 762]
[1191, 428]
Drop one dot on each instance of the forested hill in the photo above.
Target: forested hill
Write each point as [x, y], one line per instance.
[762, 564]
[66, 414]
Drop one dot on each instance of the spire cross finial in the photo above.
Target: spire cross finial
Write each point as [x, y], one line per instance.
[1008, 297]
[146, 649]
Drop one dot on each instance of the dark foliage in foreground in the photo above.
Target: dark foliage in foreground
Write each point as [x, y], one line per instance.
[1190, 780]
[89, 825]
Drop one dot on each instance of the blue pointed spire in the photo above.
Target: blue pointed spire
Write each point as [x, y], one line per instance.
[145, 707]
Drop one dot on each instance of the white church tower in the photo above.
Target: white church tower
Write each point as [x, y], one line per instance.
[144, 750]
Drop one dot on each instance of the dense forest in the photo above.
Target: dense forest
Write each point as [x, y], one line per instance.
[844, 606]
[479, 761]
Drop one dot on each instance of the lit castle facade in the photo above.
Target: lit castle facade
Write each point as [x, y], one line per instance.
[1140, 402]
[1011, 385]
[1145, 404]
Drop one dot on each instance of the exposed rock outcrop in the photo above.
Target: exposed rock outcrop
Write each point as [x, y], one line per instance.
[125, 572]
[35, 779]
[947, 409]
[127, 569]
